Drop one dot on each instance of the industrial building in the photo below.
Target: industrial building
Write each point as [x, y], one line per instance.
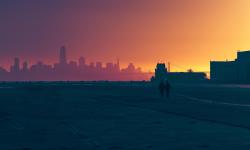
[162, 73]
[237, 71]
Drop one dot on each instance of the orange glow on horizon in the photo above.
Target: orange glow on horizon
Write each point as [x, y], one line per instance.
[187, 33]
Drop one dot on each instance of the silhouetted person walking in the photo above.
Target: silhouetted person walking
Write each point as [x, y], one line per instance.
[167, 88]
[161, 88]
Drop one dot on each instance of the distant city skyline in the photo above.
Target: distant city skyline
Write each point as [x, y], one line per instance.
[68, 70]
[63, 58]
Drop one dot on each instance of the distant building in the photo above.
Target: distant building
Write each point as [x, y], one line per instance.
[117, 66]
[16, 66]
[63, 56]
[40, 67]
[72, 65]
[62, 66]
[2, 70]
[190, 77]
[223, 71]
[3, 74]
[161, 73]
[237, 71]
[98, 66]
[82, 62]
[25, 67]
[109, 67]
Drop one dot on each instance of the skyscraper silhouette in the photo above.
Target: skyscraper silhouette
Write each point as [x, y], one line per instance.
[117, 65]
[63, 57]
[16, 65]
[25, 66]
[82, 62]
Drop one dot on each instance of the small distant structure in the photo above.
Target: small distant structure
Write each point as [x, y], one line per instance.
[162, 73]
[16, 66]
[63, 56]
[237, 71]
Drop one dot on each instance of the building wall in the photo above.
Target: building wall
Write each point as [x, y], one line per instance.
[237, 71]
[190, 77]
[243, 68]
[161, 74]
[223, 71]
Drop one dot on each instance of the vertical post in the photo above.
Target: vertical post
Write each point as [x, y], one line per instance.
[169, 67]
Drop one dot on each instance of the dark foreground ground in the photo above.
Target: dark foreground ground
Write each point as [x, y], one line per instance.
[90, 116]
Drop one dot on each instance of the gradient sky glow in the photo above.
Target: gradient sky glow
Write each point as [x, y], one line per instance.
[188, 33]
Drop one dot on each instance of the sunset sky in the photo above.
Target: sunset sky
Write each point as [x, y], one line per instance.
[188, 33]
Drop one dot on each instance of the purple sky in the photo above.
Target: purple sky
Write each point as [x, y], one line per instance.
[188, 33]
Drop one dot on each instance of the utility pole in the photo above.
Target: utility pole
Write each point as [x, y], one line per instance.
[169, 67]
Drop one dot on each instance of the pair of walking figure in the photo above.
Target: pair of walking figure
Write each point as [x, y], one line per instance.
[164, 87]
